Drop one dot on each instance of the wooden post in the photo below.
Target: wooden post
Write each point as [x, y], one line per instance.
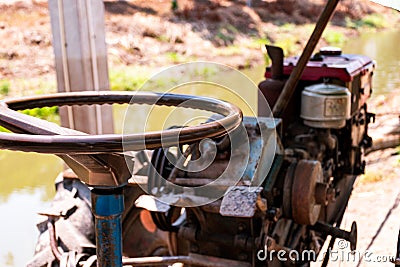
[81, 60]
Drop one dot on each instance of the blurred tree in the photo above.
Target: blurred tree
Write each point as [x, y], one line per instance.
[174, 5]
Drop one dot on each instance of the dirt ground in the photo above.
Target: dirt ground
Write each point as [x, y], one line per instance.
[148, 33]
[374, 204]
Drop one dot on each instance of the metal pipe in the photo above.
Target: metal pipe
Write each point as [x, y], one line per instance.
[154, 261]
[244, 242]
[350, 236]
[191, 260]
[107, 207]
[276, 55]
[53, 239]
[295, 76]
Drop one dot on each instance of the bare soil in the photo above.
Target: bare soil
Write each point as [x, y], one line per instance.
[374, 204]
[150, 33]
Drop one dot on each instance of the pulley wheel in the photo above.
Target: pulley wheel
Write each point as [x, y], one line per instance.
[305, 209]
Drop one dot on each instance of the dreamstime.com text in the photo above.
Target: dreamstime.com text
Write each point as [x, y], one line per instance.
[339, 255]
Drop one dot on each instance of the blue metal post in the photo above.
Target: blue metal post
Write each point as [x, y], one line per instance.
[107, 207]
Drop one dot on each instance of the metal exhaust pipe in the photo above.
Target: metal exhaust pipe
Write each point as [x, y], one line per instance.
[275, 53]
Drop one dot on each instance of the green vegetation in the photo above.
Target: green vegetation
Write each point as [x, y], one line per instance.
[29, 86]
[231, 50]
[226, 35]
[45, 113]
[333, 37]
[174, 5]
[287, 40]
[128, 78]
[372, 177]
[288, 27]
[175, 58]
[374, 21]
[257, 43]
[163, 38]
[4, 87]
[288, 44]
[4, 130]
[353, 24]
[247, 63]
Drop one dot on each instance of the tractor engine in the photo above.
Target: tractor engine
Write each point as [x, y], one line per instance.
[285, 204]
[269, 193]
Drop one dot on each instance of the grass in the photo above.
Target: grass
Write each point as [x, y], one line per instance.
[128, 78]
[334, 38]
[226, 35]
[373, 21]
[30, 86]
[121, 79]
[353, 24]
[175, 57]
[231, 50]
[5, 87]
[163, 38]
[45, 113]
[288, 44]
[398, 153]
[257, 43]
[288, 27]
[4, 130]
[372, 177]
[133, 78]
[287, 40]
[291, 38]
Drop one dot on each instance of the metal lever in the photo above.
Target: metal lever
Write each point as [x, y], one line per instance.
[338, 233]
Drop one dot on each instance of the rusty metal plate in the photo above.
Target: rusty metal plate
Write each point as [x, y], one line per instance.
[240, 201]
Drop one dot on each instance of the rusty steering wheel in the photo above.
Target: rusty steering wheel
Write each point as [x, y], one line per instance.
[35, 135]
[95, 158]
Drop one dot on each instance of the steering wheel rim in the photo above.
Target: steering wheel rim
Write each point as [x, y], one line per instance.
[81, 144]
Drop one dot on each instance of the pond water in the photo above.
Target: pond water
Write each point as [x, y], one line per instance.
[383, 47]
[26, 184]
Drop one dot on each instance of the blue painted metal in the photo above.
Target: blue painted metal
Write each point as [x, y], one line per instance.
[263, 144]
[107, 207]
